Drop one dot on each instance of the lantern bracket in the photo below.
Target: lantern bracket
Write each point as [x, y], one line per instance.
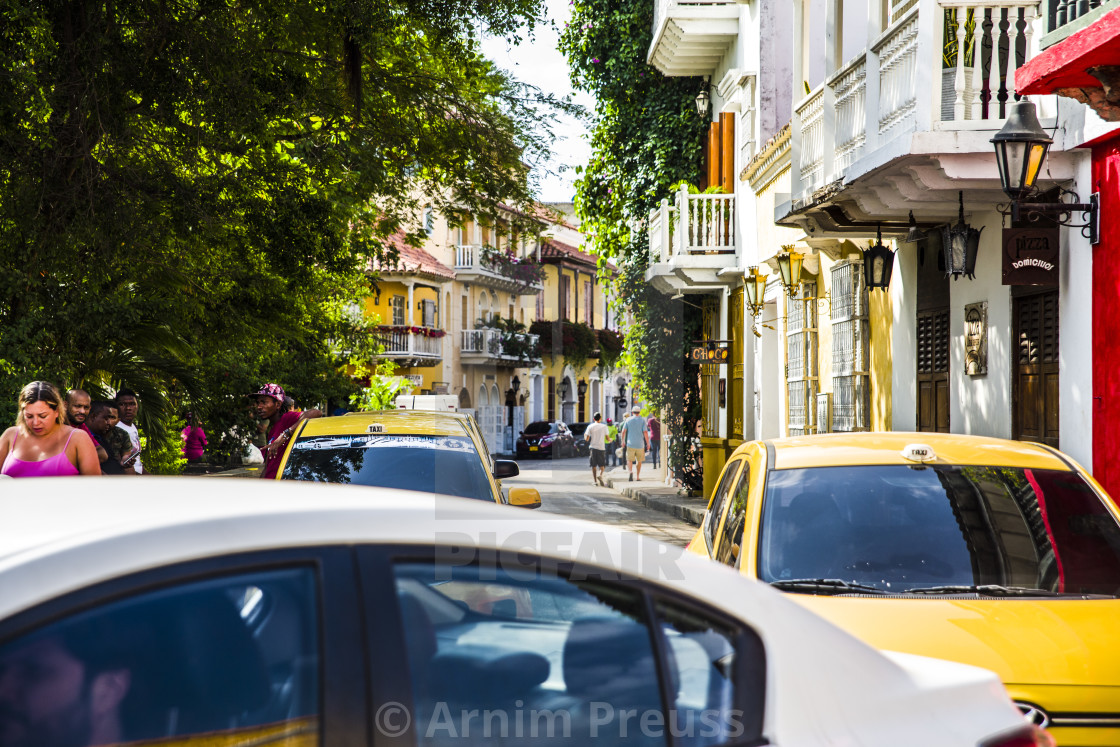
[1060, 212]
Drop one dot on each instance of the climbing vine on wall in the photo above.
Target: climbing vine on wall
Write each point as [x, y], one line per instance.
[646, 136]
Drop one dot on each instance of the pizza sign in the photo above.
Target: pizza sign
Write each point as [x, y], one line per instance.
[1030, 256]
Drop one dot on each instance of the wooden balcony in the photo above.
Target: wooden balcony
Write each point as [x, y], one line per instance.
[492, 347]
[472, 266]
[690, 37]
[692, 241]
[408, 348]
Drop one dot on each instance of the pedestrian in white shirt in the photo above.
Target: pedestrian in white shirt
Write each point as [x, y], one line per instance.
[127, 406]
[596, 436]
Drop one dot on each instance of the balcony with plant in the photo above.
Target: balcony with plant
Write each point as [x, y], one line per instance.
[411, 346]
[500, 269]
[499, 341]
[575, 342]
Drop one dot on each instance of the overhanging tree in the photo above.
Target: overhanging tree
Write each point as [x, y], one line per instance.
[190, 190]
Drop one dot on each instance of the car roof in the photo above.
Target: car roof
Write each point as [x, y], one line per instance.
[415, 422]
[885, 447]
[62, 534]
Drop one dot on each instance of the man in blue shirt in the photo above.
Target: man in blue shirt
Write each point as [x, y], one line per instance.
[635, 437]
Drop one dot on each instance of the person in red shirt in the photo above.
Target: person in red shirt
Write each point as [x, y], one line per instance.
[269, 401]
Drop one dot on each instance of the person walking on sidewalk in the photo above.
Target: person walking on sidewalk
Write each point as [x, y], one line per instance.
[596, 437]
[612, 443]
[635, 437]
[654, 426]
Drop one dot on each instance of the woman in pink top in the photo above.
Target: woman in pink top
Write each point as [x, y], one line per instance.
[40, 444]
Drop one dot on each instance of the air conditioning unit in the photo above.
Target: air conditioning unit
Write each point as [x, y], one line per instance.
[824, 412]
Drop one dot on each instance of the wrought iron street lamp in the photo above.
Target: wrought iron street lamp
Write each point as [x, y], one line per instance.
[581, 388]
[960, 244]
[562, 389]
[703, 99]
[789, 267]
[878, 263]
[754, 285]
[1021, 148]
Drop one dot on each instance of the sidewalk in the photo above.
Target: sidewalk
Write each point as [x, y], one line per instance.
[652, 491]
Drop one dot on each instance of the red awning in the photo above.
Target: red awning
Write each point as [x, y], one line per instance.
[1064, 64]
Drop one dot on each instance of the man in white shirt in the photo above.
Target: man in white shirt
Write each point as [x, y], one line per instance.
[127, 405]
[596, 436]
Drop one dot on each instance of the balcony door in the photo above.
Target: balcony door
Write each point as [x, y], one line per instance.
[1035, 385]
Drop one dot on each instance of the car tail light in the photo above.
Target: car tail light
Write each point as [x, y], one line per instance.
[1028, 736]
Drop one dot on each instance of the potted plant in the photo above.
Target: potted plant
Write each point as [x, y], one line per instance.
[950, 51]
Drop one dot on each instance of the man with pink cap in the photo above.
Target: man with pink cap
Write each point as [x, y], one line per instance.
[269, 401]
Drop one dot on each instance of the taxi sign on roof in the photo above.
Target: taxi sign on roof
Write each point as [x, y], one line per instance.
[918, 453]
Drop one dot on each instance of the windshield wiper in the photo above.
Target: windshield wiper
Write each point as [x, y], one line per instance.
[827, 585]
[987, 590]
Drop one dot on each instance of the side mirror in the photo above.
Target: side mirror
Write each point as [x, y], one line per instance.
[505, 468]
[524, 497]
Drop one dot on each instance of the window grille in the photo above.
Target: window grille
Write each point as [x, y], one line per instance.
[851, 388]
[801, 360]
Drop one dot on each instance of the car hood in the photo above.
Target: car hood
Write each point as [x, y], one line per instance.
[1024, 641]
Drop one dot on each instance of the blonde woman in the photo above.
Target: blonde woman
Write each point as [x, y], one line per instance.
[40, 444]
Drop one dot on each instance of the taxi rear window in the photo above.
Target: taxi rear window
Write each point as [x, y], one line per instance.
[449, 465]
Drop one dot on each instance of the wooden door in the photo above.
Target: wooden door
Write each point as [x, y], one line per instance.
[1035, 386]
[933, 370]
[736, 395]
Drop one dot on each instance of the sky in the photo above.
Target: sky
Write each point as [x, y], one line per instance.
[540, 63]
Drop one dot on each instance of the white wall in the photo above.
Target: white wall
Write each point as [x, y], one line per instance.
[981, 405]
[1075, 334]
[904, 364]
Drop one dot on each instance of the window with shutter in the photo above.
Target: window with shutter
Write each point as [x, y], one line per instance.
[428, 313]
[801, 360]
[851, 388]
[398, 310]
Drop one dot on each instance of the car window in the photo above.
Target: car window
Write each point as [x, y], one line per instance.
[431, 464]
[902, 527]
[731, 538]
[548, 658]
[236, 659]
[719, 499]
[472, 426]
[539, 427]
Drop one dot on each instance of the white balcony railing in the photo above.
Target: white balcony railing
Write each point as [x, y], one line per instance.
[810, 113]
[472, 265]
[696, 224]
[969, 51]
[489, 342]
[402, 342]
[664, 8]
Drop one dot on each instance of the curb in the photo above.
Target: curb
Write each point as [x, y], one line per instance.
[661, 498]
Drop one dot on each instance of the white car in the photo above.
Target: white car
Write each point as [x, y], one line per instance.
[272, 613]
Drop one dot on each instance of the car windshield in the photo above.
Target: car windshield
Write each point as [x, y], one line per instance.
[899, 528]
[431, 464]
[535, 429]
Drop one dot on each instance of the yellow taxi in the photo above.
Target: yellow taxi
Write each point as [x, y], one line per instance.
[430, 452]
[1000, 554]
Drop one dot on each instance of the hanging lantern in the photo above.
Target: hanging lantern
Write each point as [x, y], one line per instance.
[878, 263]
[1020, 150]
[789, 267]
[960, 243]
[754, 285]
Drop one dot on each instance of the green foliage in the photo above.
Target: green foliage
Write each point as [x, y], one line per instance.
[524, 270]
[574, 341]
[190, 192]
[166, 457]
[515, 339]
[611, 345]
[949, 53]
[646, 138]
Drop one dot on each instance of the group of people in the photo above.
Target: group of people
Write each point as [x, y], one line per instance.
[54, 436]
[633, 438]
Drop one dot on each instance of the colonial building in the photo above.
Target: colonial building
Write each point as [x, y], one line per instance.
[985, 326]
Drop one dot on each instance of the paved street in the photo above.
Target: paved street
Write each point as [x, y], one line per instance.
[566, 488]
